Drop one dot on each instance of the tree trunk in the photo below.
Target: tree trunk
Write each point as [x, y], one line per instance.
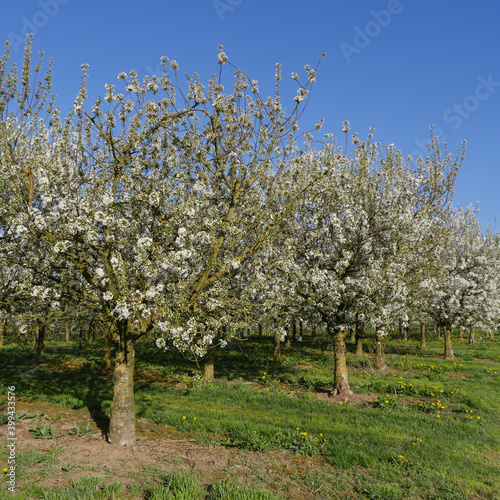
[341, 380]
[423, 332]
[2, 330]
[359, 334]
[106, 362]
[40, 342]
[380, 351]
[472, 336]
[294, 330]
[68, 329]
[277, 346]
[352, 334]
[448, 346]
[208, 366]
[461, 334]
[260, 329]
[492, 333]
[406, 333]
[122, 423]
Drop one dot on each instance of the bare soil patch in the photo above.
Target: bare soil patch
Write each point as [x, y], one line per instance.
[159, 448]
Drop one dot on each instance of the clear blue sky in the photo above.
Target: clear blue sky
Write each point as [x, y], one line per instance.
[394, 65]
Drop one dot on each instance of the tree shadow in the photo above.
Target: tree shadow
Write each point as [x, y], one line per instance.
[93, 402]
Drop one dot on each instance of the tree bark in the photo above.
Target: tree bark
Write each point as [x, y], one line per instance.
[380, 352]
[40, 342]
[208, 366]
[67, 330]
[341, 376]
[492, 333]
[406, 333]
[2, 330]
[277, 346]
[359, 334]
[123, 411]
[448, 346]
[106, 362]
[461, 334]
[423, 333]
[472, 336]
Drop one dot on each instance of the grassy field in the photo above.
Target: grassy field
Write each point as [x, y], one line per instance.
[425, 428]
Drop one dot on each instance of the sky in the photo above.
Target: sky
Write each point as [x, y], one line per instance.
[397, 66]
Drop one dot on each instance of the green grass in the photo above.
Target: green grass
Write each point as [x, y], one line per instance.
[432, 432]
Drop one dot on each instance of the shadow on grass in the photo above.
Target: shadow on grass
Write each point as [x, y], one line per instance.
[93, 401]
[57, 381]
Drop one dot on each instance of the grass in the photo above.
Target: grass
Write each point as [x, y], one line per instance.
[432, 430]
